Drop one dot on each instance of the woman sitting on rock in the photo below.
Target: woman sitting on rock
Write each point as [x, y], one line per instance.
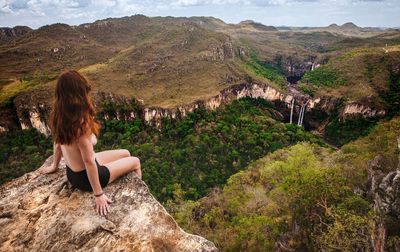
[74, 129]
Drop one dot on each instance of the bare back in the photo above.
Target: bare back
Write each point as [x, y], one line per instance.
[73, 157]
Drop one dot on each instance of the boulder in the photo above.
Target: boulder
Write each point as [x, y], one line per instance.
[45, 213]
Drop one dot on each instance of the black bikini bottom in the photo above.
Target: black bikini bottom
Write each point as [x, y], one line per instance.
[80, 179]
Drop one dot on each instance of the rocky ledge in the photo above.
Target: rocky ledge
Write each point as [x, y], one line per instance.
[43, 212]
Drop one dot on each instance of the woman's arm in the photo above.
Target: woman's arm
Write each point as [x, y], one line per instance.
[86, 148]
[57, 153]
[87, 152]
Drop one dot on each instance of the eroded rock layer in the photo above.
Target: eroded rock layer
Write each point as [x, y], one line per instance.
[44, 213]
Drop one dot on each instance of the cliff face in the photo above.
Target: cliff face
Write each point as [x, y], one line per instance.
[42, 212]
[295, 69]
[384, 189]
[355, 109]
[33, 113]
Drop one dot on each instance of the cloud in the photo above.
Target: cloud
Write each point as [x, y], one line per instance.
[186, 3]
[44, 6]
[204, 2]
[40, 12]
[74, 8]
[5, 6]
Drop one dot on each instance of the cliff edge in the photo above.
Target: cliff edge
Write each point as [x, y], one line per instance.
[43, 212]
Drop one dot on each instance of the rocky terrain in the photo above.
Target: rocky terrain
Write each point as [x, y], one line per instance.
[8, 34]
[42, 212]
[385, 191]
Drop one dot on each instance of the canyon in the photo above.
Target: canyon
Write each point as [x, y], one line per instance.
[33, 114]
[334, 81]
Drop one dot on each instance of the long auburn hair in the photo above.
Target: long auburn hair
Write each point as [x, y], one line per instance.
[73, 113]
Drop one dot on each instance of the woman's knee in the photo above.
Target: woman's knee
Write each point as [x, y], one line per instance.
[135, 162]
[125, 153]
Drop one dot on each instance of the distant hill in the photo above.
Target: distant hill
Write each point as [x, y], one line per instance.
[347, 29]
[349, 25]
[333, 26]
[163, 61]
[256, 25]
[7, 33]
[219, 25]
[210, 23]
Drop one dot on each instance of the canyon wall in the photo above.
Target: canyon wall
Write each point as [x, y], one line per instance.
[383, 188]
[34, 114]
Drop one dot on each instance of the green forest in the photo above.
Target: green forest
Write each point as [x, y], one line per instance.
[191, 155]
[304, 198]
[241, 178]
[204, 149]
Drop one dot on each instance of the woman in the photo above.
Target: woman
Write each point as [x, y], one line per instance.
[74, 129]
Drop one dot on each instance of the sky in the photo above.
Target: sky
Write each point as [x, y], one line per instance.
[36, 13]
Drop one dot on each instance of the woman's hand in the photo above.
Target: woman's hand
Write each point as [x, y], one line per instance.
[102, 207]
[47, 169]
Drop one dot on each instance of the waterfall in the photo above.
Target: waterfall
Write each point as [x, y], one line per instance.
[291, 111]
[301, 114]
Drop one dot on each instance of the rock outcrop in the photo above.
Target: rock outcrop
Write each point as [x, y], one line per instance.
[355, 109]
[44, 213]
[34, 114]
[384, 189]
[7, 33]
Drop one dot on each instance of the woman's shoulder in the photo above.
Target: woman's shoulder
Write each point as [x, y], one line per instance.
[83, 136]
[93, 138]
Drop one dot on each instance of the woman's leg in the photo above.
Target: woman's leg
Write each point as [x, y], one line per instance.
[122, 166]
[108, 156]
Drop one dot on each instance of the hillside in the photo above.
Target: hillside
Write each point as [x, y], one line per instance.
[167, 61]
[152, 59]
[307, 198]
[356, 74]
[8, 34]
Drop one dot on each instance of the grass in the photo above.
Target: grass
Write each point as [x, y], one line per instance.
[93, 68]
[323, 76]
[306, 88]
[265, 70]
[357, 75]
[9, 91]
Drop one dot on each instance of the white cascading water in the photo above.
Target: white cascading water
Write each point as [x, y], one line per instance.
[300, 115]
[291, 111]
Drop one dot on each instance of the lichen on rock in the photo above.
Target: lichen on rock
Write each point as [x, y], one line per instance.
[45, 213]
